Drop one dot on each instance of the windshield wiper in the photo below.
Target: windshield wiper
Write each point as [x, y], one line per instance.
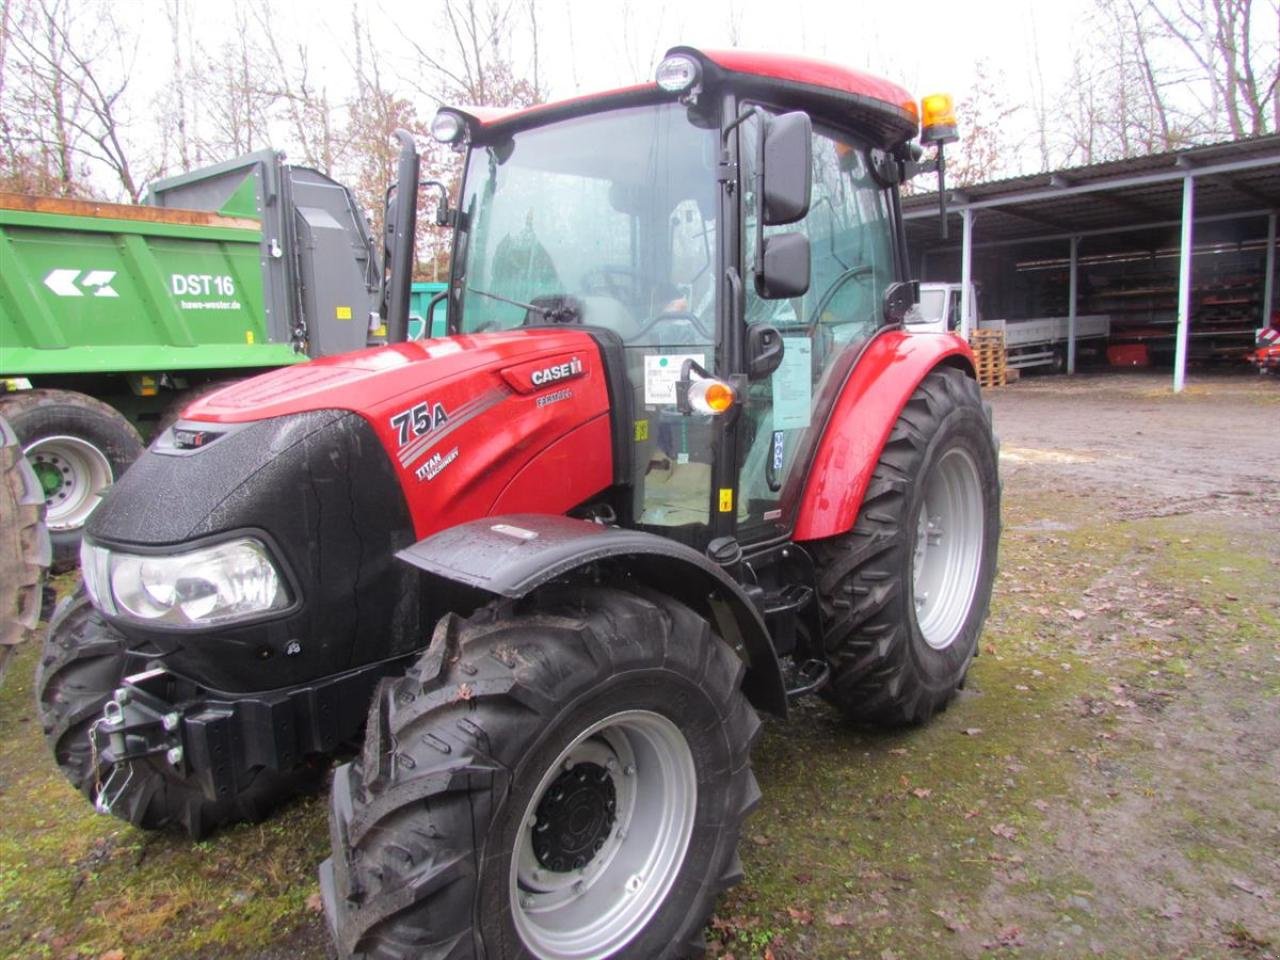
[566, 309]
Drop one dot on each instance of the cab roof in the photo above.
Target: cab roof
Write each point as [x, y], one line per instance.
[838, 94]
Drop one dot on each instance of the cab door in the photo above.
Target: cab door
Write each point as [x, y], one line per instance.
[850, 230]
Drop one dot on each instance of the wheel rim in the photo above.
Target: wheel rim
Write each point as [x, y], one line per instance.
[603, 837]
[948, 548]
[73, 473]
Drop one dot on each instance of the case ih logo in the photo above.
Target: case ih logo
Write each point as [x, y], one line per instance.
[560, 371]
[65, 283]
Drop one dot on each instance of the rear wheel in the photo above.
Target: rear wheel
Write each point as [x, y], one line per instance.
[84, 661]
[78, 447]
[24, 545]
[905, 593]
[563, 782]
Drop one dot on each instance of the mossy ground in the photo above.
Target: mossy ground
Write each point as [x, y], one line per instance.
[1107, 784]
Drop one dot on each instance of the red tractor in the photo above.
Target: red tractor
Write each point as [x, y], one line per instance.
[677, 462]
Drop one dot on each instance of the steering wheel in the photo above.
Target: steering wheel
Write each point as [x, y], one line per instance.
[620, 283]
[861, 272]
[668, 316]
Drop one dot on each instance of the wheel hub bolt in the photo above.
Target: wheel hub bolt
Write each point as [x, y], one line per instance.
[634, 883]
[170, 721]
[174, 756]
[629, 769]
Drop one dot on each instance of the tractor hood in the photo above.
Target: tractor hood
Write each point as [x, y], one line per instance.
[337, 464]
[459, 417]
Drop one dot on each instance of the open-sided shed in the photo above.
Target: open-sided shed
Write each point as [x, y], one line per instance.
[1179, 247]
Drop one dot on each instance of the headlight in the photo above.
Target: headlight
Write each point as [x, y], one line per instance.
[212, 585]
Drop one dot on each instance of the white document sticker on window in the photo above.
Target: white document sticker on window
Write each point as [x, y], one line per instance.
[793, 385]
[661, 372]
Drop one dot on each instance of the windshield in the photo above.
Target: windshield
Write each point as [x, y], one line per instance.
[606, 219]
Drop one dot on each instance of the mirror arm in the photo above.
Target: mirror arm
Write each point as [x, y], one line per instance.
[444, 216]
[725, 173]
[759, 188]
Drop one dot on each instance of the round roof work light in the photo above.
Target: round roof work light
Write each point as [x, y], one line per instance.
[448, 126]
[678, 73]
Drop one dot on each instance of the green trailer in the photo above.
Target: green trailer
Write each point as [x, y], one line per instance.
[428, 310]
[112, 315]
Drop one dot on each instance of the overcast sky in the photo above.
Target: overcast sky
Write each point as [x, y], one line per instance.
[925, 45]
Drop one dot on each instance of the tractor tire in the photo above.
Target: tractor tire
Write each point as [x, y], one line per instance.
[565, 778]
[78, 447]
[83, 663]
[24, 545]
[905, 593]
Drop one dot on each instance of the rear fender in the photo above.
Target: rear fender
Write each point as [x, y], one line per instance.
[877, 390]
[512, 556]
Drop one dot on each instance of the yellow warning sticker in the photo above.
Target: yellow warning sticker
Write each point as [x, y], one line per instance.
[344, 313]
[726, 500]
[380, 330]
[248, 337]
[642, 430]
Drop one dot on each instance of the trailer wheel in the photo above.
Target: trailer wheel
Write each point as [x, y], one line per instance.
[24, 545]
[563, 781]
[78, 447]
[904, 594]
[83, 662]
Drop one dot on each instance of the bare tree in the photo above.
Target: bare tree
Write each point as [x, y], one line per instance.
[986, 116]
[310, 115]
[1236, 44]
[237, 85]
[64, 93]
[476, 62]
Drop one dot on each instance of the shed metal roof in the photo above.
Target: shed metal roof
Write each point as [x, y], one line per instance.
[1237, 178]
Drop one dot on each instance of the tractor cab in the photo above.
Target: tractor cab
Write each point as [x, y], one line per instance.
[737, 251]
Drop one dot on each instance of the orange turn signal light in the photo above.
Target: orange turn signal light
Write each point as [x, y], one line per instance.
[710, 396]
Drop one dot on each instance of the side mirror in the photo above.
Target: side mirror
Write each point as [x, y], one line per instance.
[764, 350]
[786, 168]
[899, 298]
[782, 267]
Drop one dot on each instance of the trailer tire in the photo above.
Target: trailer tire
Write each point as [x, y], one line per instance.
[904, 594]
[24, 545]
[83, 662]
[598, 737]
[78, 447]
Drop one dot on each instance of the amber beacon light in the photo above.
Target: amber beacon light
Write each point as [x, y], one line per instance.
[938, 119]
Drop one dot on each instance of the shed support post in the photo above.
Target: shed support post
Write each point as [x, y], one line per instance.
[1184, 284]
[1071, 308]
[966, 272]
[1268, 285]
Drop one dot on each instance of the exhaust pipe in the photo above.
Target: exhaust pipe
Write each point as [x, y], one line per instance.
[399, 226]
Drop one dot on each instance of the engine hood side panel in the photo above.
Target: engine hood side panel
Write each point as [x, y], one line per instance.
[459, 417]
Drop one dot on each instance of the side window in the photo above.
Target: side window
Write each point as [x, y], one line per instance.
[851, 263]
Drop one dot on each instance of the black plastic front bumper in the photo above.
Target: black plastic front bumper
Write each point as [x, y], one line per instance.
[220, 741]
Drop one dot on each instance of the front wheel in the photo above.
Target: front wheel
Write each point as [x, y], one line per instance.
[564, 782]
[85, 659]
[905, 593]
[24, 545]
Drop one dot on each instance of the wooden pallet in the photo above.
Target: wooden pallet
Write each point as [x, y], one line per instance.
[989, 357]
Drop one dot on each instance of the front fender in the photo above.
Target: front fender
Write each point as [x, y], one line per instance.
[877, 390]
[511, 556]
